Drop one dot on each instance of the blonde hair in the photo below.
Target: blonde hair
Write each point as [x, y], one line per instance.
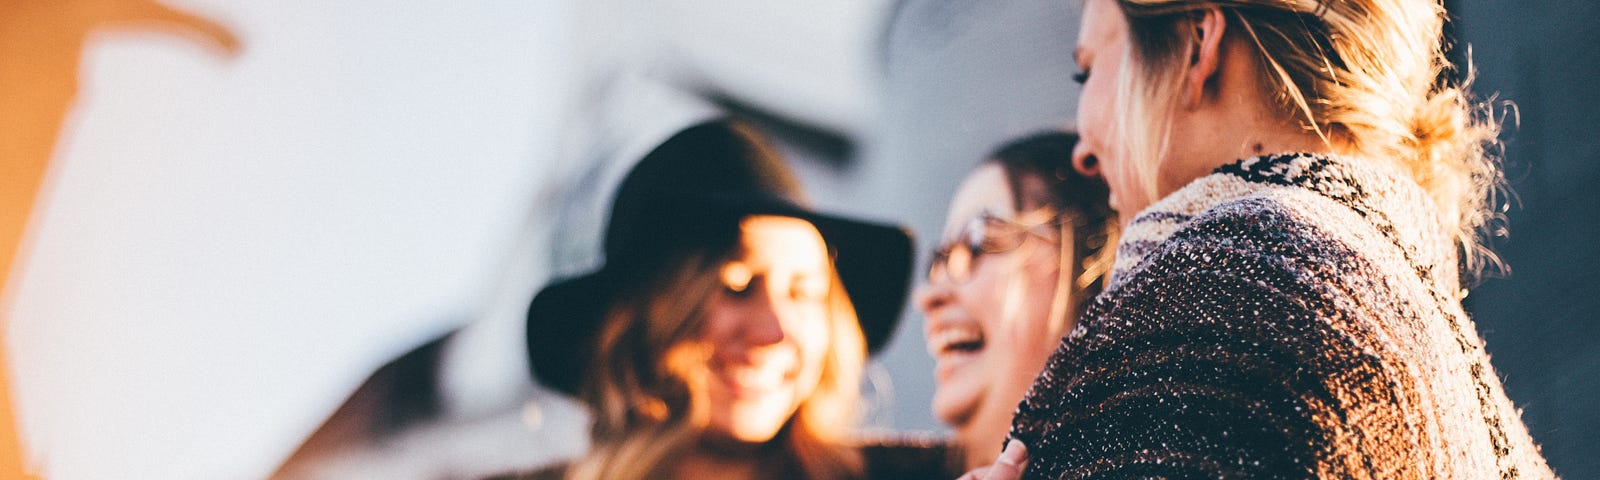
[1369, 76]
[648, 383]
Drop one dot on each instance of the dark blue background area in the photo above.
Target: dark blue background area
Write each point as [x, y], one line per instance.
[1540, 322]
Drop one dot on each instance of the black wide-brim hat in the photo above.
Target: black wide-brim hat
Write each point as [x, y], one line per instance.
[696, 187]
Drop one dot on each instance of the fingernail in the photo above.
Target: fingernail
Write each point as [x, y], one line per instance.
[1013, 454]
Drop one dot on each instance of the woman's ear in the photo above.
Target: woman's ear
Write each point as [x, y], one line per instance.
[1207, 29]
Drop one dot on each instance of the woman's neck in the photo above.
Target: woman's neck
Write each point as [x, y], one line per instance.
[701, 466]
[1219, 144]
[718, 463]
[1234, 120]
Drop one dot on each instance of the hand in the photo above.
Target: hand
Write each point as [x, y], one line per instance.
[1008, 467]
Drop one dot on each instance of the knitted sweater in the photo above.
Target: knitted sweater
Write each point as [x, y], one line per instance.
[1293, 316]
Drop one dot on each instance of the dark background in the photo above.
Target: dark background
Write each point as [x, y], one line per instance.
[1540, 322]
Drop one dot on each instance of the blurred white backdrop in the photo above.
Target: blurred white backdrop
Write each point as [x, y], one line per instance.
[228, 247]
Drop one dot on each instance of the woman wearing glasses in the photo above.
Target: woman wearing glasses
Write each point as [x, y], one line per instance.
[1023, 252]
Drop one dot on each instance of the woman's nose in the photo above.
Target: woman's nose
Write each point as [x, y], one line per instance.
[763, 323]
[931, 296]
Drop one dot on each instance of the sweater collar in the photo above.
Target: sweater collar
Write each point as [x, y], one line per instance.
[1385, 198]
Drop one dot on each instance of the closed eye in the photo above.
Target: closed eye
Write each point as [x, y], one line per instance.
[808, 288]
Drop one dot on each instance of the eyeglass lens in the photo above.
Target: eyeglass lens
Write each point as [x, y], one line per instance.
[955, 259]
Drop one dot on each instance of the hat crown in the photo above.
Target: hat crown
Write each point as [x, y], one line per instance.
[720, 159]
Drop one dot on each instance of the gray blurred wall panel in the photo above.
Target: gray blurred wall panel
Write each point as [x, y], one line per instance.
[1542, 323]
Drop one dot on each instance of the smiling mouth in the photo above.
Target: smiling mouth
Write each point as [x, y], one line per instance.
[753, 379]
[956, 341]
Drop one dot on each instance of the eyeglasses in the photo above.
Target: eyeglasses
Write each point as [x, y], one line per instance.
[955, 259]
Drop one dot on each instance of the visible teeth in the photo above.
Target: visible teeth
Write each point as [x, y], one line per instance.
[755, 377]
[944, 340]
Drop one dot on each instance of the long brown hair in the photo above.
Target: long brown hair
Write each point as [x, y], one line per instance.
[648, 384]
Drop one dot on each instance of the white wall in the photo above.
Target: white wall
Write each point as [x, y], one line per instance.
[229, 246]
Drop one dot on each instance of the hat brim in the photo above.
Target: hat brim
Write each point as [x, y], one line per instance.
[563, 320]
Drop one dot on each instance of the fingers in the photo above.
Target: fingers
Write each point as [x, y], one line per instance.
[1010, 464]
[1008, 467]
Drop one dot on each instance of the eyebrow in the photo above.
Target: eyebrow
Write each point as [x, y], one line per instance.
[1077, 56]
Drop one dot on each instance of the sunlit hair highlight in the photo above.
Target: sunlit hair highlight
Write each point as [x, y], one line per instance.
[1369, 77]
[1081, 204]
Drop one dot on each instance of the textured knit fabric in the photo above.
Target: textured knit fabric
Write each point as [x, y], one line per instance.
[1291, 316]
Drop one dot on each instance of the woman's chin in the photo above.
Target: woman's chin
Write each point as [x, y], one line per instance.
[731, 442]
[954, 405]
[748, 432]
[755, 418]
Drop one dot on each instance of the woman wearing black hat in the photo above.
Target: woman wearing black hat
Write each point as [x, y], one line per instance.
[724, 337]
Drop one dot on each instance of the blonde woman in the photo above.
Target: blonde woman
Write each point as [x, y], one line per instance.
[1304, 190]
[724, 337]
[1027, 244]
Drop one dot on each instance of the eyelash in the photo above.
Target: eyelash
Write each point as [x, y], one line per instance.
[805, 293]
[1080, 77]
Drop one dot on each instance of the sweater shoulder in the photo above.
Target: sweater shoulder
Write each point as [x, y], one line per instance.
[1225, 352]
[1285, 243]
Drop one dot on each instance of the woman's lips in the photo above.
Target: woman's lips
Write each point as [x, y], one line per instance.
[749, 379]
[953, 347]
[954, 341]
